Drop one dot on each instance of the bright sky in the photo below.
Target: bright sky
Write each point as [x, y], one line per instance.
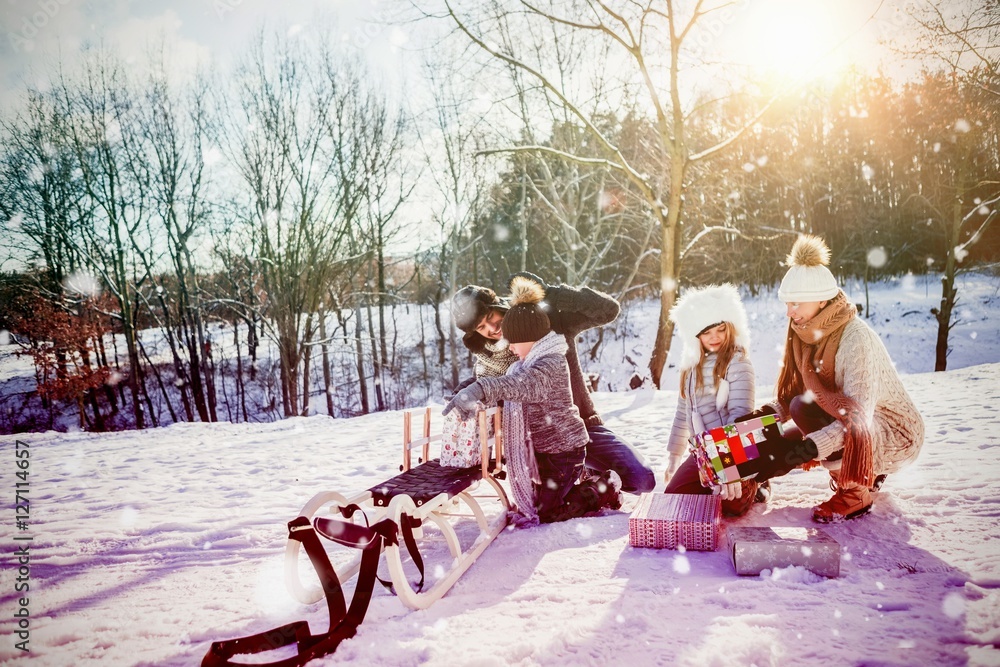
[34, 34]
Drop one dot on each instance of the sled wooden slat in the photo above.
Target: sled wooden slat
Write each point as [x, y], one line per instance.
[427, 492]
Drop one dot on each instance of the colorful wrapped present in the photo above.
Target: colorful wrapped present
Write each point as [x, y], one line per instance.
[721, 451]
[672, 520]
[460, 444]
[755, 548]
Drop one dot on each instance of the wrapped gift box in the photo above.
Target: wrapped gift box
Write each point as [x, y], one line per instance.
[756, 548]
[670, 520]
[721, 451]
[460, 446]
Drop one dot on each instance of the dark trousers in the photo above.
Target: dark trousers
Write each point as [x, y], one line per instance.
[559, 473]
[606, 451]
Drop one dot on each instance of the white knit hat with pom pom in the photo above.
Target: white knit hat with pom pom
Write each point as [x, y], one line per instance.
[704, 307]
[808, 278]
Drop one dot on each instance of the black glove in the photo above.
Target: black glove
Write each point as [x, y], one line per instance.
[766, 409]
[466, 401]
[779, 456]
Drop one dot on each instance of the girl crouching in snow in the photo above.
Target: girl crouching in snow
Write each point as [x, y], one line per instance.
[545, 438]
[717, 385]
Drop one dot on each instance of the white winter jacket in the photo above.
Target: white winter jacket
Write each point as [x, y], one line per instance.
[709, 409]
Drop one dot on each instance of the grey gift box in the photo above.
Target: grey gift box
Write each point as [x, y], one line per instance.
[756, 548]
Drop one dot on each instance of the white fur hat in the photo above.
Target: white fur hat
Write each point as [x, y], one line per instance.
[703, 307]
[808, 278]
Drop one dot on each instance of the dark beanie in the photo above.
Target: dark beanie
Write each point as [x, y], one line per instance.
[471, 304]
[526, 321]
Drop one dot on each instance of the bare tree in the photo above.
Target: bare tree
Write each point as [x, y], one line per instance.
[649, 40]
[174, 128]
[104, 135]
[965, 188]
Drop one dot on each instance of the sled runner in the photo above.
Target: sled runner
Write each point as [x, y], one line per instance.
[397, 508]
[427, 492]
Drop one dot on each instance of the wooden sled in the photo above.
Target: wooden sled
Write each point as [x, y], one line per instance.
[427, 492]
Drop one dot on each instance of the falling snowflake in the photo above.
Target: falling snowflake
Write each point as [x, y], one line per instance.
[762, 160]
[584, 530]
[953, 605]
[294, 30]
[128, 517]
[877, 257]
[211, 156]
[398, 37]
[681, 564]
[4, 337]
[500, 233]
[973, 335]
[749, 167]
[867, 171]
[82, 283]
[960, 253]
[962, 125]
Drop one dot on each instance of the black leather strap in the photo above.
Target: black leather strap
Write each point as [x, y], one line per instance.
[344, 621]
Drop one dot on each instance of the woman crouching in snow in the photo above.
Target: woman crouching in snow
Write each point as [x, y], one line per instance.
[841, 390]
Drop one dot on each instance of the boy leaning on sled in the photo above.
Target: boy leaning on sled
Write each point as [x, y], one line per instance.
[546, 440]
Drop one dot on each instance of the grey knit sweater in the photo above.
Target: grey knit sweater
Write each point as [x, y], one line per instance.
[542, 386]
[865, 373]
[711, 409]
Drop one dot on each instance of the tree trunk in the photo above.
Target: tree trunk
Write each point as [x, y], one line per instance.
[359, 348]
[327, 384]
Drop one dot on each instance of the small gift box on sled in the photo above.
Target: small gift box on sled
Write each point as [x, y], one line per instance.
[460, 441]
[721, 451]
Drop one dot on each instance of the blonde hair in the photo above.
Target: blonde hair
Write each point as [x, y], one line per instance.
[726, 352]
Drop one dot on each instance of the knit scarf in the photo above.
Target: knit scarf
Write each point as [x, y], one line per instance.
[521, 462]
[813, 351]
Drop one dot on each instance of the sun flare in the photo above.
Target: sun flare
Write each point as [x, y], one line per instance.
[789, 39]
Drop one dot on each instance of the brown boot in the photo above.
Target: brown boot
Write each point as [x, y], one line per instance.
[742, 505]
[846, 503]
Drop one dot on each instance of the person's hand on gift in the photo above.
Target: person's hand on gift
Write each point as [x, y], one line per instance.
[673, 463]
[731, 491]
[809, 465]
[466, 402]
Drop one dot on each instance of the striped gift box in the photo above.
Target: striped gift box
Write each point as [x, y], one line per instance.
[671, 520]
[721, 451]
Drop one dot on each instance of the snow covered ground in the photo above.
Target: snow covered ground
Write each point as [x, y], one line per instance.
[146, 546]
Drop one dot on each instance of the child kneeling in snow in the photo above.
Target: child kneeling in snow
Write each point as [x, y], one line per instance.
[545, 438]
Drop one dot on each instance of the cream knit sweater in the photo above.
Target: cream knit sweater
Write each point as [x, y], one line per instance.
[865, 373]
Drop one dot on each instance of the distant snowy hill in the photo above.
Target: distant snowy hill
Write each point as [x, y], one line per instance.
[149, 545]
